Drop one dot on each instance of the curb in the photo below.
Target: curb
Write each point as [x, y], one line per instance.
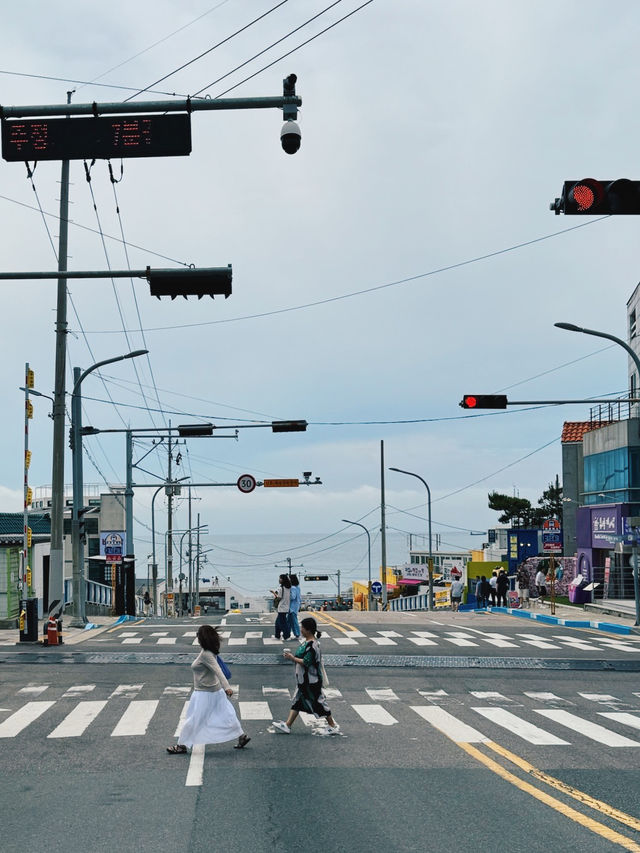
[610, 627]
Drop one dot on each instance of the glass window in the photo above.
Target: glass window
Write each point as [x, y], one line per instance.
[606, 476]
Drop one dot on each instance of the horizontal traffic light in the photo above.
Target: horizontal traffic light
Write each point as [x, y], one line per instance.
[316, 577]
[484, 401]
[590, 197]
[288, 426]
[191, 430]
[209, 281]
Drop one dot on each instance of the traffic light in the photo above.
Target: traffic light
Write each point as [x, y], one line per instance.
[208, 281]
[289, 426]
[190, 430]
[590, 197]
[316, 577]
[484, 401]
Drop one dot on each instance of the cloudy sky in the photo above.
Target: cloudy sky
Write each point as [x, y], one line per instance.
[406, 255]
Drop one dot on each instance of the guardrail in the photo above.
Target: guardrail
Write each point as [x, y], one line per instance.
[98, 598]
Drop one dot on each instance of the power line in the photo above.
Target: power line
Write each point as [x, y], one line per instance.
[150, 47]
[293, 50]
[273, 44]
[366, 290]
[209, 50]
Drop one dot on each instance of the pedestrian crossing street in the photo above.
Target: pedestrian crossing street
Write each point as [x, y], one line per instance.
[237, 637]
[539, 718]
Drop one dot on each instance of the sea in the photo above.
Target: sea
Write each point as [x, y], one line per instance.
[253, 562]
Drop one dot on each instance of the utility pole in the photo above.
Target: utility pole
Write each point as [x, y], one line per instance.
[56, 559]
[289, 565]
[190, 559]
[169, 530]
[198, 563]
[383, 529]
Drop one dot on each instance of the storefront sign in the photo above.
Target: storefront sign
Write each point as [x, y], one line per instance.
[605, 531]
[413, 572]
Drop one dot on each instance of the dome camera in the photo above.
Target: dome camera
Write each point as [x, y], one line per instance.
[290, 136]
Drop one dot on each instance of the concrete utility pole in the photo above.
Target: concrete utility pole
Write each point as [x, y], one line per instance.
[169, 491]
[26, 142]
[383, 529]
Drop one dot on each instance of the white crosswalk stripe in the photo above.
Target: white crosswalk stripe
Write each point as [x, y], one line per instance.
[255, 711]
[623, 717]
[421, 641]
[381, 694]
[166, 641]
[78, 690]
[34, 689]
[517, 726]
[593, 731]
[126, 691]
[449, 725]
[19, 721]
[78, 720]
[491, 696]
[384, 641]
[551, 698]
[375, 714]
[136, 718]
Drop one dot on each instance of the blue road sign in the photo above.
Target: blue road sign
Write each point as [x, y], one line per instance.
[376, 587]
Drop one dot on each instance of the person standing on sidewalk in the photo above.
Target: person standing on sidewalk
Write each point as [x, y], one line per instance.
[294, 607]
[309, 695]
[457, 588]
[541, 585]
[210, 717]
[523, 580]
[282, 598]
[493, 583]
[502, 586]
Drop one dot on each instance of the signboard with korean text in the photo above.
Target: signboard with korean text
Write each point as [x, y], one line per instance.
[414, 572]
[552, 541]
[605, 528]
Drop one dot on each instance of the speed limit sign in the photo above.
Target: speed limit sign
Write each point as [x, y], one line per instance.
[246, 483]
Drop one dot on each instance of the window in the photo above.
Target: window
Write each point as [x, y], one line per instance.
[632, 324]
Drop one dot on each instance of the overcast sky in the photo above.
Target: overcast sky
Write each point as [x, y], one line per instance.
[433, 133]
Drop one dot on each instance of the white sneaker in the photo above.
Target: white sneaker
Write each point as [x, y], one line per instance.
[333, 730]
[281, 727]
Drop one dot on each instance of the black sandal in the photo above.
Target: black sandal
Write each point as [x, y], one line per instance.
[177, 749]
[243, 740]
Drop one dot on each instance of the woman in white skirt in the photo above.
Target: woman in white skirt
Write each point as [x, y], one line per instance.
[210, 717]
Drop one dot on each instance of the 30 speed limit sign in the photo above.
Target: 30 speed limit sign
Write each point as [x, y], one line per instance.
[246, 483]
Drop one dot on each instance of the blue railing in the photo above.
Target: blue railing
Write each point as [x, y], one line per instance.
[97, 595]
[411, 602]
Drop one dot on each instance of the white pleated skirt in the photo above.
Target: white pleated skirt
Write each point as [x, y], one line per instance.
[210, 718]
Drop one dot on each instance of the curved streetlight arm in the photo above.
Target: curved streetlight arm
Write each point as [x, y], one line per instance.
[357, 524]
[570, 327]
[426, 485]
[106, 361]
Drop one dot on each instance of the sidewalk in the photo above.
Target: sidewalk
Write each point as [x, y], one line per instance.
[618, 622]
[70, 636]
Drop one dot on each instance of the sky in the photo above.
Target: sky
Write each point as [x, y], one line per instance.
[405, 256]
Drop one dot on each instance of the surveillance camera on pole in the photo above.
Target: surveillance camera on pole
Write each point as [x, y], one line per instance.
[290, 136]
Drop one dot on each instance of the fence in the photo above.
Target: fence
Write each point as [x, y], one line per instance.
[98, 598]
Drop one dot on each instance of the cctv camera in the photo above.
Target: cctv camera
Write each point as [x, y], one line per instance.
[290, 136]
[307, 475]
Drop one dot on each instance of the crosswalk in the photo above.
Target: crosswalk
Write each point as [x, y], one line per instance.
[236, 638]
[536, 718]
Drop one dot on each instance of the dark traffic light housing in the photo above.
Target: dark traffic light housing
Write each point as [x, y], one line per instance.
[590, 197]
[484, 401]
[192, 430]
[288, 426]
[316, 577]
[210, 281]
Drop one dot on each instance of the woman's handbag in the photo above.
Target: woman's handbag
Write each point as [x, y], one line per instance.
[225, 669]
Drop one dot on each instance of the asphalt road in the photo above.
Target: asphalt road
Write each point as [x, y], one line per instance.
[438, 759]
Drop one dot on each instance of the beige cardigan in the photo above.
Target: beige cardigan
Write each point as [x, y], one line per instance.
[207, 674]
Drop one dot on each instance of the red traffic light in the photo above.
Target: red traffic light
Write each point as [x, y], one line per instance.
[484, 401]
[592, 198]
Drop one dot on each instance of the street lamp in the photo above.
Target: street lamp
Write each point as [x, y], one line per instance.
[357, 523]
[570, 327]
[418, 477]
[77, 548]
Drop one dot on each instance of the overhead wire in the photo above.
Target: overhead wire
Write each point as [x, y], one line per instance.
[266, 49]
[209, 50]
[374, 289]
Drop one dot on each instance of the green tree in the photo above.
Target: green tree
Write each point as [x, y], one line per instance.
[519, 512]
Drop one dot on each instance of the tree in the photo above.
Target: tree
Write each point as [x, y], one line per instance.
[519, 512]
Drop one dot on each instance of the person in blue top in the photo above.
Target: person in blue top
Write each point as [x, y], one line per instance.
[294, 607]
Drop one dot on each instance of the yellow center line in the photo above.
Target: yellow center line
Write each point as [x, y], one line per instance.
[333, 622]
[125, 625]
[586, 799]
[553, 803]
